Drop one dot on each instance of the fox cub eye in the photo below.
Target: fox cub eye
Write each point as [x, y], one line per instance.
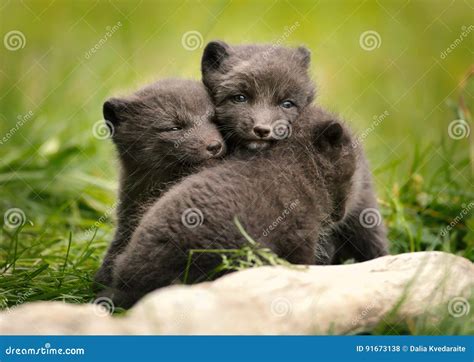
[176, 128]
[287, 104]
[239, 98]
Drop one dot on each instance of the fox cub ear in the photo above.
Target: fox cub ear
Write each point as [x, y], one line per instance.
[114, 110]
[304, 55]
[214, 54]
[329, 134]
[332, 140]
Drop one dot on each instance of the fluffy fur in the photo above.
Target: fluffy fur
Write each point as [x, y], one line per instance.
[312, 170]
[260, 93]
[361, 234]
[267, 76]
[162, 133]
[258, 90]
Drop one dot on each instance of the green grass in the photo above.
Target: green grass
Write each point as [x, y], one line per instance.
[63, 178]
[437, 321]
[251, 255]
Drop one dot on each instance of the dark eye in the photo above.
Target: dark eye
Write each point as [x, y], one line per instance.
[176, 128]
[239, 98]
[287, 104]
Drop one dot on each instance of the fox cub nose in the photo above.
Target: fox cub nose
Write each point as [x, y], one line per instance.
[261, 131]
[214, 147]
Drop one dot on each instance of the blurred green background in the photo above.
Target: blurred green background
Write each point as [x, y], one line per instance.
[395, 87]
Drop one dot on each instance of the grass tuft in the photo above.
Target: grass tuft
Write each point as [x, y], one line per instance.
[251, 255]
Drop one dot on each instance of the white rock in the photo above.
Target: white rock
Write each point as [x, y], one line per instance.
[271, 300]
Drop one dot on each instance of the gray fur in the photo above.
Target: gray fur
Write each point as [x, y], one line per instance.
[267, 76]
[152, 155]
[255, 186]
[352, 238]
[313, 168]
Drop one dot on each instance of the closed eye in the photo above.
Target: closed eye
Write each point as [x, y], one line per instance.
[172, 129]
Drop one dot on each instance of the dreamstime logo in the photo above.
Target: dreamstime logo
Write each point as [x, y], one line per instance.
[47, 350]
[192, 40]
[465, 31]
[110, 30]
[376, 121]
[189, 132]
[103, 129]
[370, 40]
[281, 217]
[287, 31]
[363, 314]
[459, 129]
[103, 306]
[458, 307]
[192, 218]
[280, 307]
[14, 218]
[370, 218]
[90, 231]
[281, 129]
[22, 298]
[465, 211]
[14, 40]
[22, 119]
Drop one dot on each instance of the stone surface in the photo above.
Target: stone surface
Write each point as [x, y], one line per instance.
[270, 300]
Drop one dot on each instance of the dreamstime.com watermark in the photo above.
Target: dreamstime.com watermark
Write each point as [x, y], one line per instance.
[192, 218]
[376, 122]
[370, 40]
[356, 320]
[21, 120]
[103, 129]
[459, 129]
[192, 40]
[14, 218]
[43, 350]
[14, 40]
[281, 129]
[459, 307]
[287, 31]
[110, 31]
[465, 211]
[370, 218]
[103, 306]
[20, 300]
[293, 205]
[466, 30]
[105, 216]
[281, 307]
[189, 132]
